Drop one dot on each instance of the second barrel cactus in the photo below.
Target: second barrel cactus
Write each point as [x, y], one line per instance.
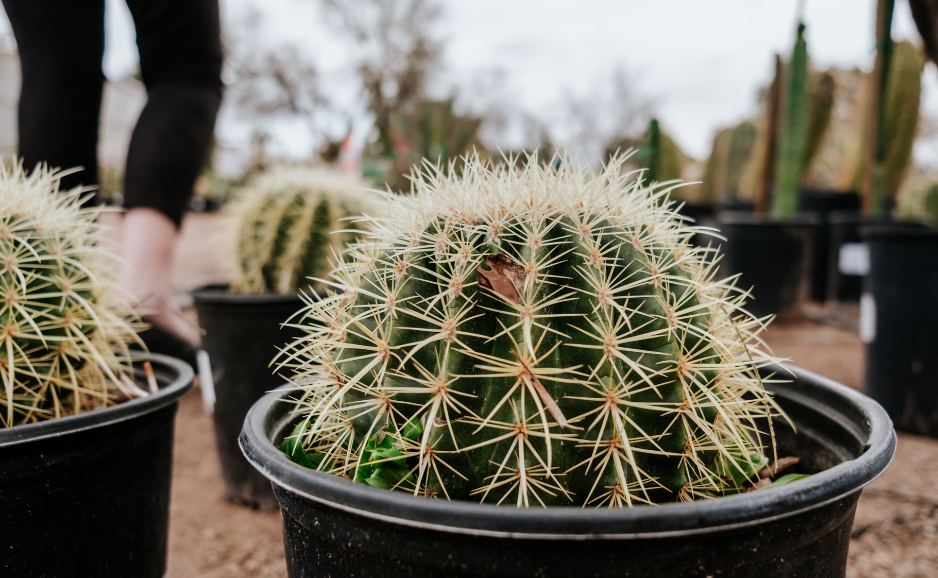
[532, 334]
[288, 225]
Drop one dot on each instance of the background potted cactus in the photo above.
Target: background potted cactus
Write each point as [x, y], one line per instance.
[86, 436]
[286, 226]
[539, 335]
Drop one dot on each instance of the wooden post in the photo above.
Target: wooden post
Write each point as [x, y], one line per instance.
[767, 172]
[873, 153]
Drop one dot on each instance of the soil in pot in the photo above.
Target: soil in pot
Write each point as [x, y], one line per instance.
[823, 203]
[898, 320]
[88, 494]
[333, 527]
[773, 257]
[242, 335]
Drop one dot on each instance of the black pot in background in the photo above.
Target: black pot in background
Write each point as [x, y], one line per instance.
[242, 335]
[899, 323]
[88, 495]
[774, 258]
[336, 528]
[823, 203]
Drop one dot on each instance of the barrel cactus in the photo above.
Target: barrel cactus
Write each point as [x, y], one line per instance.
[531, 334]
[64, 330]
[289, 223]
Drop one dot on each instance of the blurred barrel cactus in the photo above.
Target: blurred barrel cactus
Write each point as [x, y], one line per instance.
[531, 334]
[64, 331]
[289, 224]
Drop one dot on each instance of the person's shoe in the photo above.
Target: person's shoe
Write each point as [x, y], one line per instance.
[159, 340]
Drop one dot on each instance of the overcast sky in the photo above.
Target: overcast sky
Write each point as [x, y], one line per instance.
[699, 62]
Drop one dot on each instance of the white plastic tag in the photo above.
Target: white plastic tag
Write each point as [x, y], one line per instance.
[854, 259]
[206, 382]
[867, 318]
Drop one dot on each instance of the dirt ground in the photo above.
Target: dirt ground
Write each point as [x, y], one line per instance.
[895, 534]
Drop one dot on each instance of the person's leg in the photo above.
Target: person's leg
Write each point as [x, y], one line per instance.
[61, 45]
[180, 61]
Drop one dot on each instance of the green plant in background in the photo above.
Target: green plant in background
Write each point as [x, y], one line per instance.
[659, 155]
[531, 334]
[64, 332]
[920, 204]
[900, 124]
[732, 148]
[290, 223]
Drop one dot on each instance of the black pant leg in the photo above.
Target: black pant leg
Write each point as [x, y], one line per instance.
[180, 63]
[61, 45]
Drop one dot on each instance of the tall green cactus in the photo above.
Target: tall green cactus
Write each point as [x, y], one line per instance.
[64, 330]
[289, 223]
[530, 334]
[821, 92]
[900, 123]
[789, 163]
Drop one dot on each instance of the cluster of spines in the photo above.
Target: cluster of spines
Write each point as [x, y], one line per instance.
[544, 335]
[64, 328]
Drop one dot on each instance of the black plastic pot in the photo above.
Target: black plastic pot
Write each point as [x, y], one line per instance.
[774, 258]
[242, 336]
[336, 528]
[88, 495]
[899, 322]
[823, 203]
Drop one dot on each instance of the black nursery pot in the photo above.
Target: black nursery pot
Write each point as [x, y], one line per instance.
[242, 335]
[823, 203]
[774, 258]
[336, 528]
[899, 317]
[88, 495]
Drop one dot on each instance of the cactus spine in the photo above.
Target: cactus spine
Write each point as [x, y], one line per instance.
[531, 335]
[289, 223]
[64, 333]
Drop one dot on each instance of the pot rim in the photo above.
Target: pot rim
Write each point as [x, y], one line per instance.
[220, 295]
[169, 393]
[571, 522]
[903, 231]
[749, 219]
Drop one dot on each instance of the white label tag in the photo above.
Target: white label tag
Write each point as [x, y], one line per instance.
[867, 318]
[854, 259]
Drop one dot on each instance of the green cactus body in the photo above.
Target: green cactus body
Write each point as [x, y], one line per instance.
[61, 326]
[288, 225]
[791, 147]
[530, 336]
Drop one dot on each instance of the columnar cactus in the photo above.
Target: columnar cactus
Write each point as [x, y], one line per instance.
[288, 223]
[63, 347]
[531, 334]
[732, 148]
